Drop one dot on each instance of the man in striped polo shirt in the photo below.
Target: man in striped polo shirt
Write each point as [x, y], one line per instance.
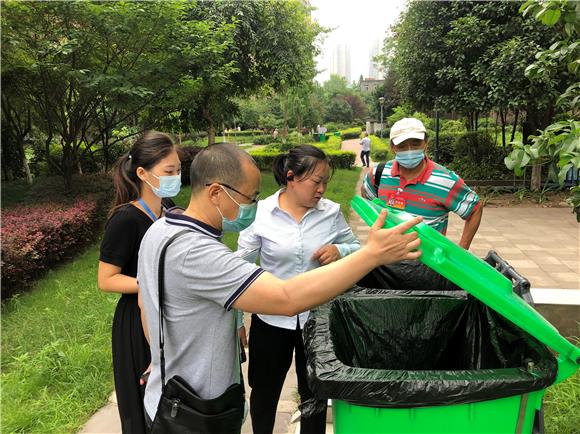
[414, 183]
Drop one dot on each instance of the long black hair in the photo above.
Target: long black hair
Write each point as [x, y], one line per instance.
[149, 149]
[301, 160]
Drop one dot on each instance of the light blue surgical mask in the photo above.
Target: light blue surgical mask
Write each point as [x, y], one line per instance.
[410, 159]
[169, 186]
[246, 216]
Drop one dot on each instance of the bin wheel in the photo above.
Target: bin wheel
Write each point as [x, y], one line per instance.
[538, 427]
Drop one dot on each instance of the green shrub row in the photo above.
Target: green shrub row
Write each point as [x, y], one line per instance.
[245, 133]
[380, 149]
[339, 159]
[351, 133]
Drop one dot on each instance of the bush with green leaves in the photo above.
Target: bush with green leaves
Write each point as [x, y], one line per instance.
[266, 140]
[245, 133]
[451, 126]
[331, 127]
[351, 133]
[446, 148]
[380, 149]
[490, 168]
[333, 143]
[339, 159]
[476, 145]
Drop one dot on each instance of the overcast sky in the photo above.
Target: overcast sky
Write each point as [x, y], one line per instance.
[357, 23]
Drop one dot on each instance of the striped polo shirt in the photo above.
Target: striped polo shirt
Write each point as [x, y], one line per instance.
[432, 194]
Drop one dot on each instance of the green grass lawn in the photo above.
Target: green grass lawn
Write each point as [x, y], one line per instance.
[56, 357]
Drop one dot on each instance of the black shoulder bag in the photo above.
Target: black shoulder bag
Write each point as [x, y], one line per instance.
[180, 409]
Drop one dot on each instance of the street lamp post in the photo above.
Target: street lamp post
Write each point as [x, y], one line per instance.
[382, 103]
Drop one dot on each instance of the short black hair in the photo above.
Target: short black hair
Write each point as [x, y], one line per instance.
[218, 163]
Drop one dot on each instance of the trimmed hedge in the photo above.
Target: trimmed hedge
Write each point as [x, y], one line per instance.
[245, 133]
[339, 159]
[37, 237]
[380, 149]
[351, 133]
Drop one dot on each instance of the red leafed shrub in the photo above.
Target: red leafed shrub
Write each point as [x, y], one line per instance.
[37, 237]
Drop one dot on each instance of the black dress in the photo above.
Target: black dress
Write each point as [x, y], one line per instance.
[131, 356]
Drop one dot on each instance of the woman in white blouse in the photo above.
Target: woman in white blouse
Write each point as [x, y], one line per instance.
[295, 230]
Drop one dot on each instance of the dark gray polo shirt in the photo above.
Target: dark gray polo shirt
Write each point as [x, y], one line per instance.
[203, 278]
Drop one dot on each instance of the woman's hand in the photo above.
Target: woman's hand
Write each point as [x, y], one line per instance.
[243, 336]
[388, 246]
[326, 254]
[145, 376]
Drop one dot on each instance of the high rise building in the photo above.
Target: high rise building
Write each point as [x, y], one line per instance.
[375, 70]
[340, 61]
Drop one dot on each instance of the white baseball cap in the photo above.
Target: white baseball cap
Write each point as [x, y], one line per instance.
[407, 128]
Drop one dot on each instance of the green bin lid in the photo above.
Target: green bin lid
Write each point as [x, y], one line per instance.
[480, 279]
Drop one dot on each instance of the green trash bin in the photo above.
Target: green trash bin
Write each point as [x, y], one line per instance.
[435, 361]
[322, 138]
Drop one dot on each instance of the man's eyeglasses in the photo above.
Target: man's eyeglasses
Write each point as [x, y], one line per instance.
[253, 200]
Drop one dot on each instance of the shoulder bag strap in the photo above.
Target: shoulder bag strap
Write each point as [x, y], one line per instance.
[161, 290]
[378, 175]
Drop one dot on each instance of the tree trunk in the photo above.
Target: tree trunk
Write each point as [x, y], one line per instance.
[535, 120]
[69, 165]
[503, 115]
[514, 128]
[536, 180]
[210, 125]
[211, 135]
[285, 128]
[26, 167]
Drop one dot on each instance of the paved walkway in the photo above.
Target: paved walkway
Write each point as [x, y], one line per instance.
[543, 244]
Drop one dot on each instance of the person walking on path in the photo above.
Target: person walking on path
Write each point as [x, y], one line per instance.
[205, 279]
[365, 152]
[295, 230]
[144, 177]
[414, 183]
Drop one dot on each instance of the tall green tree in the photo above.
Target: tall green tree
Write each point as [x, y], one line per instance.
[446, 56]
[274, 46]
[558, 145]
[86, 66]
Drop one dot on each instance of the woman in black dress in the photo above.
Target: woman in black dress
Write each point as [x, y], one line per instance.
[148, 174]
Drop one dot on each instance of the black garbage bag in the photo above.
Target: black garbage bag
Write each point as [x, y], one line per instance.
[389, 348]
[407, 275]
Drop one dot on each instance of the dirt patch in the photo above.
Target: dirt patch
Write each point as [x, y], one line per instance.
[525, 199]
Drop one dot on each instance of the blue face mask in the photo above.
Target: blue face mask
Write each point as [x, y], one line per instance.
[246, 216]
[169, 186]
[410, 159]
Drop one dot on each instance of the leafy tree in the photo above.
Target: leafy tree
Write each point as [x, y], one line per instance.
[461, 56]
[559, 144]
[86, 67]
[339, 110]
[16, 125]
[273, 46]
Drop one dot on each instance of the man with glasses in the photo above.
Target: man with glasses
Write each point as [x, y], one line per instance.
[204, 279]
[414, 183]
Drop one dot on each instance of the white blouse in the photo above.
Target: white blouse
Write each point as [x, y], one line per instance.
[285, 247]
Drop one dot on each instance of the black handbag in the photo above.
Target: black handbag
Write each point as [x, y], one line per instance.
[180, 409]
